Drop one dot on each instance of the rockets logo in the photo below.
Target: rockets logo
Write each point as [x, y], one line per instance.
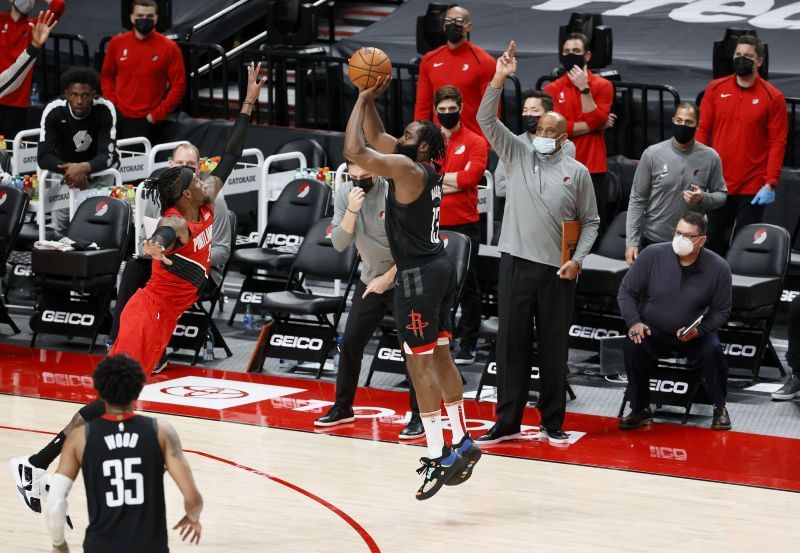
[303, 190]
[101, 209]
[760, 236]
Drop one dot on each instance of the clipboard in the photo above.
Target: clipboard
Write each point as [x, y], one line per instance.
[692, 326]
[570, 234]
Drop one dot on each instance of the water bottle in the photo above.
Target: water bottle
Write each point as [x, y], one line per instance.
[248, 317]
[336, 355]
[34, 94]
[208, 354]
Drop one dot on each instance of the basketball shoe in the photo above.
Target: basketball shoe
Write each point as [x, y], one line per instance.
[439, 472]
[29, 481]
[471, 453]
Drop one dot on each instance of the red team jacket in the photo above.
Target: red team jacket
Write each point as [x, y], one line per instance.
[136, 73]
[468, 68]
[747, 127]
[590, 148]
[467, 154]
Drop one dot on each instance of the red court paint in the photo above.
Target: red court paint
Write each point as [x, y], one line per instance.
[664, 449]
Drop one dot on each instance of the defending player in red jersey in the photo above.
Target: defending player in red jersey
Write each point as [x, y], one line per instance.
[180, 249]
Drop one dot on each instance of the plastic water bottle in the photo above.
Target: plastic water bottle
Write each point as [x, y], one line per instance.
[248, 317]
[336, 355]
[208, 354]
[35, 94]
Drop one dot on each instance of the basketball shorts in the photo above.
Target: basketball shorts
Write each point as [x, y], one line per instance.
[423, 301]
[145, 329]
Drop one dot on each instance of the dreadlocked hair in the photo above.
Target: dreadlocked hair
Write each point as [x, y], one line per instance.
[165, 189]
[432, 134]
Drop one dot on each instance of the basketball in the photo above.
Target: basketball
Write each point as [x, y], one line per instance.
[366, 65]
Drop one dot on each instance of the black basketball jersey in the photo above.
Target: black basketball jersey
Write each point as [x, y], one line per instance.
[123, 471]
[413, 229]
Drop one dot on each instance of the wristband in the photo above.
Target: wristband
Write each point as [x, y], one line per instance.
[351, 211]
[249, 102]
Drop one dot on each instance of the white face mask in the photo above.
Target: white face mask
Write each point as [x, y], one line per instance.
[544, 145]
[682, 246]
[24, 6]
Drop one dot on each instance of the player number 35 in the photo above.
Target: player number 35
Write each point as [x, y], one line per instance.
[133, 493]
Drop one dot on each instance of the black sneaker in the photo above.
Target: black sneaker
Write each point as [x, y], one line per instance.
[495, 435]
[553, 436]
[636, 419]
[790, 390]
[465, 355]
[336, 415]
[721, 420]
[413, 430]
[471, 453]
[439, 472]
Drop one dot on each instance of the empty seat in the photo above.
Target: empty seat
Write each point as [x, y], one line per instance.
[13, 204]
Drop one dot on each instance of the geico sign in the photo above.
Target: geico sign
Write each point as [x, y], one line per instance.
[187, 331]
[787, 295]
[739, 350]
[668, 386]
[22, 270]
[592, 333]
[492, 369]
[251, 297]
[390, 354]
[65, 317]
[274, 239]
[295, 342]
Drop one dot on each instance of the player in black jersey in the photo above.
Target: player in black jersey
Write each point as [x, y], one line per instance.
[426, 281]
[122, 456]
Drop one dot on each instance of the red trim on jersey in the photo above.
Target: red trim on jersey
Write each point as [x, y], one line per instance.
[445, 334]
[117, 417]
[425, 348]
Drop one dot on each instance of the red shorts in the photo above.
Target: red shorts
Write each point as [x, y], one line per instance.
[145, 329]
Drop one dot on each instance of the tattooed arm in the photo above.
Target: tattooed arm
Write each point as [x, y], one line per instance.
[178, 468]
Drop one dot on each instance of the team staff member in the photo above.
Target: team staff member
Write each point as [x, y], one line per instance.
[359, 216]
[744, 120]
[14, 76]
[671, 177]
[143, 74]
[664, 291]
[123, 518]
[16, 36]
[545, 188]
[791, 388]
[458, 63]
[464, 165]
[585, 100]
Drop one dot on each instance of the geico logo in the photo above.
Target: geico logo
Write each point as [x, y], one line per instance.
[674, 453]
[251, 297]
[739, 350]
[492, 369]
[789, 295]
[284, 239]
[592, 333]
[390, 354]
[65, 317]
[22, 270]
[295, 342]
[187, 331]
[668, 386]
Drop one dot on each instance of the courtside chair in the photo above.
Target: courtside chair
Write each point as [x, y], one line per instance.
[13, 204]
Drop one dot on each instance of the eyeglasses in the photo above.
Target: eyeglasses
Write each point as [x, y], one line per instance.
[456, 20]
[687, 235]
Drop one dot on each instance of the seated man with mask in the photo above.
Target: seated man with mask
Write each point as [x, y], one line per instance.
[666, 289]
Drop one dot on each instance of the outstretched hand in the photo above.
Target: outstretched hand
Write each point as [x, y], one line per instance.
[507, 62]
[370, 94]
[189, 529]
[254, 83]
[156, 251]
[40, 30]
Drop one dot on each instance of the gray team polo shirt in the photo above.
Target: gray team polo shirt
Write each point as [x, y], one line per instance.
[500, 176]
[370, 232]
[541, 193]
[662, 175]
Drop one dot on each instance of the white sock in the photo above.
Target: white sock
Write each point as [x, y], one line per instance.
[455, 413]
[433, 433]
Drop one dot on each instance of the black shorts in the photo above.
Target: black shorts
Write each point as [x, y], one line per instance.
[423, 301]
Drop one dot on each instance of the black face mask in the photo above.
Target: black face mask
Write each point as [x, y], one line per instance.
[454, 33]
[365, 184]
[742, 66]
[529, 123]
[144, 26]
[683, 133]
[408, 150]
[570, 60]
[449, 120]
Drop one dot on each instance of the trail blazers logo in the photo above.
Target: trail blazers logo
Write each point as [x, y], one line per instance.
[303, 190]
[760, 236]
[3, 197]
[101, 209]
[82, 140]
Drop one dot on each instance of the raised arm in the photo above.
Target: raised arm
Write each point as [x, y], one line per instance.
[374, 130]
[235, 146]
[11, 78]
[178, 467]
[498, 135]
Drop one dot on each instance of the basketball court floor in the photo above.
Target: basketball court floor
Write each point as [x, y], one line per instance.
[271, 483]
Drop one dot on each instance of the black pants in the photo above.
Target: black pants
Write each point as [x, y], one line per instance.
[470, 322]
[527, 291]
[705, 351]
[130, 128]
[738, 210]
[793, 351]
[601, 197]
[136, 274]
[364, 318]
[13, 120]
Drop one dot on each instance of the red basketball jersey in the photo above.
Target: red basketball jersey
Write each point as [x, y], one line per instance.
[178, 284]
